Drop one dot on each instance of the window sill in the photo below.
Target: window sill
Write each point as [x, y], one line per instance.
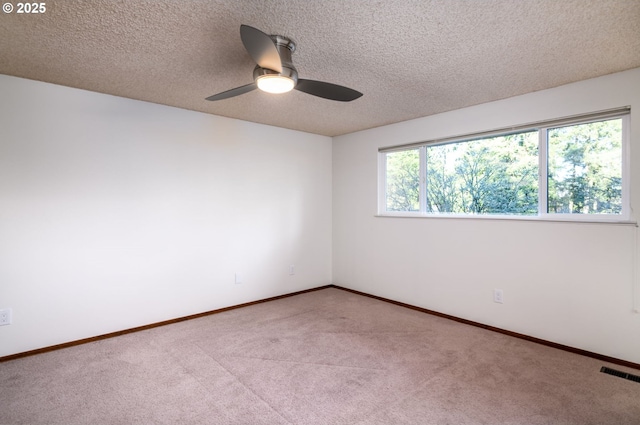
[546, 218]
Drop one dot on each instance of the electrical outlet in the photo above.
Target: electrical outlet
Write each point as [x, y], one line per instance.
[292, 270]
[5, 317]
[498, 296]
[238, 279]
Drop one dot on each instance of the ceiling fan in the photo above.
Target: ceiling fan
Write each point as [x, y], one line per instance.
[275, 72]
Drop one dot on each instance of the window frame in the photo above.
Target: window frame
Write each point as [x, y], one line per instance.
[542, 128]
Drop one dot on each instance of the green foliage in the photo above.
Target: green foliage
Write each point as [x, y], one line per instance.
[488, 176]
[403, 180]
[585, 168]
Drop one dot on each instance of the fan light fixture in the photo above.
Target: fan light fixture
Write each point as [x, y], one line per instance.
[275, 83]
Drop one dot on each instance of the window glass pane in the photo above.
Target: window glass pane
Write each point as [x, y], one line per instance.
[497, 175]
[403, 180]
[585, 168]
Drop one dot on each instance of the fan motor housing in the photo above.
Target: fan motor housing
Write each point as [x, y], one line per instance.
[285, 47]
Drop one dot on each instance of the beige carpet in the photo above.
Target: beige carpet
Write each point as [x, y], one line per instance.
[323, 357]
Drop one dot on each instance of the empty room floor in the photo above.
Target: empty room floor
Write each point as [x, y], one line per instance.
[322, 357]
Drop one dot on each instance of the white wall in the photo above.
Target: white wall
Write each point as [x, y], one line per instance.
[116, 213]
[568, 283]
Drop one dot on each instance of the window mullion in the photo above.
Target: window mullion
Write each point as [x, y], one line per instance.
[422, 197]
[543, 168]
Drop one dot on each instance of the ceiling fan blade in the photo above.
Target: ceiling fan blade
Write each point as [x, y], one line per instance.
[233, 92]
[261, 48]
[327, 90]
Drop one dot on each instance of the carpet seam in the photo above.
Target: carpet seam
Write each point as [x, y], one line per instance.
[237, 378]
[406, 396]
[309, 363]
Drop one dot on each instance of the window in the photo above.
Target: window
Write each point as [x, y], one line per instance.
[403, 177]
[565, 169]
[584, 168]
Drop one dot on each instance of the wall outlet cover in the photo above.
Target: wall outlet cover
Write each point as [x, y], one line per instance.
[498, 296]
[5, 317]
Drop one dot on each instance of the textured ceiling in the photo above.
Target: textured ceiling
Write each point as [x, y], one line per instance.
[410, 58]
